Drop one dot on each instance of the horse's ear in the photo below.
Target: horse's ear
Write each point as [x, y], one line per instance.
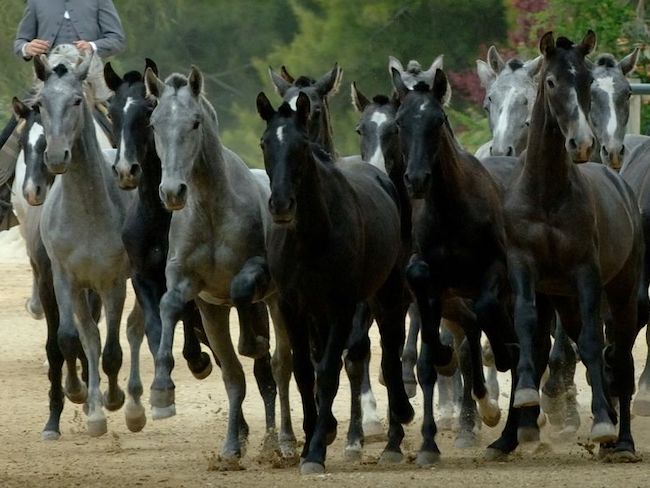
[281, 85]
[303, 108]
[395, 63]
[82, 69]
[547, 44]
[628, 63]
[153, 84]
[588, 43]
[533, 66]
[112, 79]
[485, 74]
[286, 75]
[20, 109]
[495, 60]
[195, 79]
[42, 67]
[398, 83]
[330, 82]
[150, 63]
[436, 65]
[441, 87]
[359, 100]
[264, 107]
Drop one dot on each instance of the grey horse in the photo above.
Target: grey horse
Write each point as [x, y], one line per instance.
[80, 227]
[510, 89]
[217, 233]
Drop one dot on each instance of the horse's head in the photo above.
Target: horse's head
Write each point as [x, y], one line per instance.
[378, 130]
[177, 121]
[318, 92]
[61, 103]
[420, 120]
[510, 90]
[32, 142]
[610, 106]
[414, 73]
[130, 112]
[285, 145]
[566, 87]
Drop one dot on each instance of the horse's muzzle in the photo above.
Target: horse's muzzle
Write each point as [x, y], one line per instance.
[173, 196]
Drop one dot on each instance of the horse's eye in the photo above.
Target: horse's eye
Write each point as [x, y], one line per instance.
[550, 83]
[196, 125]
[77, 102]
[490, 99]
[486, 108]
[358, 129]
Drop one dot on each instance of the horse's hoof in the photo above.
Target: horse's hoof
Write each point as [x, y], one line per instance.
[553, 406]
[622, 457]
[256, 348]
[205, 371]
[97, 427]
[161, 413]
[446, 423]
[641, 404]
[450, 368]
[353, 452]
[411, 389]
[465, 440]
[311, 468]
[424, 459]
[113, 404]
[541, 419]
[603, 433]
[390, 457]
[35, 312]
[526, 397]
[161, 398]
[373, 431]
[493, 454]
[489, 411]
[80, 396]
[50, 435]
[527, 434]
[135, 417]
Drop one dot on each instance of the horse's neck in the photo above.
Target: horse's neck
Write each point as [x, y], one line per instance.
[326, 137]
[312, 209]
[209, 174]
[85, 175]
[148, 188]
[448, 174]
[395, 161]
[547, 164]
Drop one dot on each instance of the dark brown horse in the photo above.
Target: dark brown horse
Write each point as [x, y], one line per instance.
[335, 242]
[573, 232]
[459, 243]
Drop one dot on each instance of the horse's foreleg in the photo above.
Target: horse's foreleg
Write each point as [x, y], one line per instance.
[410, 353]
[281, 364]
[217, 328]
[134, 411]
[113, 300]
[198, 361]
[179, 292]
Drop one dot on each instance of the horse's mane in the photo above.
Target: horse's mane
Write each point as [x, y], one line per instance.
[564, 43]
[133, 77]
[606, 60]
[413, 67]
[304, 81]
[320, 153]
[381, 99]
[515, 63]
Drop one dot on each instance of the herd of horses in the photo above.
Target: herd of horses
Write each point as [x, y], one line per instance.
[518, 243]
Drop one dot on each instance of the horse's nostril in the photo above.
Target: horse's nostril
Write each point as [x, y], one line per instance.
[490, 150]
[39, 189]
[573, 144]
[622, 149]
[511, 151]
[605, 151]
[135, 170]
[182, 191]
[114, 170]
[66, 156]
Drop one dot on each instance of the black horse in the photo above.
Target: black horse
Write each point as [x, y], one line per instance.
[335, 242]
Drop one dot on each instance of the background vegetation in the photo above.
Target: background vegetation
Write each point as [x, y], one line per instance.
[234, 42]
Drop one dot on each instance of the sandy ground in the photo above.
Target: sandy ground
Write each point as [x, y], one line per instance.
[180, 452]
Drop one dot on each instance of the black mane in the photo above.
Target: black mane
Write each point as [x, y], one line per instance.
[304, 81]
[133, 77]
[61, 70]
[381, 99]
[606, 60]
[514, 64]
[564, 43]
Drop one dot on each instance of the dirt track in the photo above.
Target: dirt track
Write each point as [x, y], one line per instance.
[180, 452]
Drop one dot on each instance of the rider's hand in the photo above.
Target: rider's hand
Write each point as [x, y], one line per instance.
[84, 46]
[36, 47]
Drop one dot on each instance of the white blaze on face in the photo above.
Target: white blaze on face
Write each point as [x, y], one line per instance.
[504, 116]
[606, 84]
[280, 134]
[377, 158]
[121, 152]
[293, 102]
[423, 106]
[582, 129]
[35, 133]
